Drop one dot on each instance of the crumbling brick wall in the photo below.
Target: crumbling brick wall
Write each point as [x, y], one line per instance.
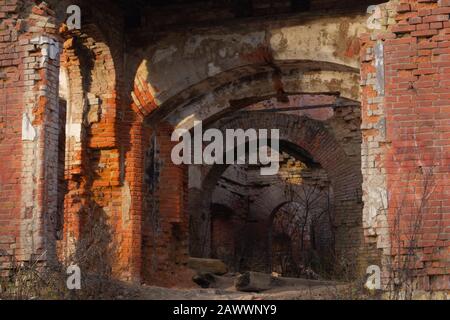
[165, 221]
[99, 134]
[30, 121]
[405, 121]
[418, 117]
[10, 138]
[243, 209]
[403, 66]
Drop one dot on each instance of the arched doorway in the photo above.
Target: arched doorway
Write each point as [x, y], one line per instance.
[313, 164]
[301, 233]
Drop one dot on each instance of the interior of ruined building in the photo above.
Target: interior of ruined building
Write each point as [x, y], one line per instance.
[97, 167]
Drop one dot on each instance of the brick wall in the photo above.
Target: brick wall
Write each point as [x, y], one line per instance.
[406, 125]
[405, 134]
[11, 104]
[99, 134]
[165, 220]
[418, 117]
[30, 125]
[327, 145]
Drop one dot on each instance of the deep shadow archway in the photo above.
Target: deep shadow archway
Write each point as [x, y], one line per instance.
[313, 137]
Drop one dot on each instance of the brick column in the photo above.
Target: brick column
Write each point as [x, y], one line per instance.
[406, 150]
[30, 115]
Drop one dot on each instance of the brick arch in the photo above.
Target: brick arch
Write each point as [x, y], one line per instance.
[32, 27]
[93, 67]
[156, 108]
[272, 200]
[311, 135]
[36, 27]
[210, 99]
[96, 78]
[227, 90]
[271, 206]
[90, 98]
[247, 85]
[176, 67]
[288, 234]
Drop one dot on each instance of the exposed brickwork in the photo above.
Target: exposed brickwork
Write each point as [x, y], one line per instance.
[11, 103]
[127, 84]
[374, 144]
[407, 123]
[30, 130]
[313, 137]
[418, 114]
[165, 220]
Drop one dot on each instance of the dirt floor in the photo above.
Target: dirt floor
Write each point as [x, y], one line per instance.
[285, 289]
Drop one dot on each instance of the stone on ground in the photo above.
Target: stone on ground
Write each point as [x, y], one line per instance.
[213, 266]
[204, 279]
[253, 282]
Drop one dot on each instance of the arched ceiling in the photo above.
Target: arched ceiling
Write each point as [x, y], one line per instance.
[318, 55]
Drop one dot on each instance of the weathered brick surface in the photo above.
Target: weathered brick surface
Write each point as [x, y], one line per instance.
[10, 136]
[96, 142]
[418, 117]
[117, 159]
[30, 129]
[412, 139]
[165, 220]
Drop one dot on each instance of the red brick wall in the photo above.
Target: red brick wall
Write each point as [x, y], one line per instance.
[406, 129]
[165, 217]
[99, 123]
[29, 162]
[11, 101]
[418, 117]
[108, 169]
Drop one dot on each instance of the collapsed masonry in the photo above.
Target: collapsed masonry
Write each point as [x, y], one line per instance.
[360, 97]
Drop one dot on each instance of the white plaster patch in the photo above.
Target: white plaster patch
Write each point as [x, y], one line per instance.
[126, 203]
[376, 205]
[374, 21]
[73, 130]
[49, 48]
[317, 41]
[28, 131]
[213, 69]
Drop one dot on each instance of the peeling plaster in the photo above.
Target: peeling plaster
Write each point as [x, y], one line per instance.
[379, 65]
[73, 130]
[28, 131]
[126, 203]
[49, 48]
[213, 69]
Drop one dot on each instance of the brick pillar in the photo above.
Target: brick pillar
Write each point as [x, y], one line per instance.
[406, 117]
[418, 127]
[133, 196]
[374, 141]
[11, 105]
[159, 197]
[30, 116]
